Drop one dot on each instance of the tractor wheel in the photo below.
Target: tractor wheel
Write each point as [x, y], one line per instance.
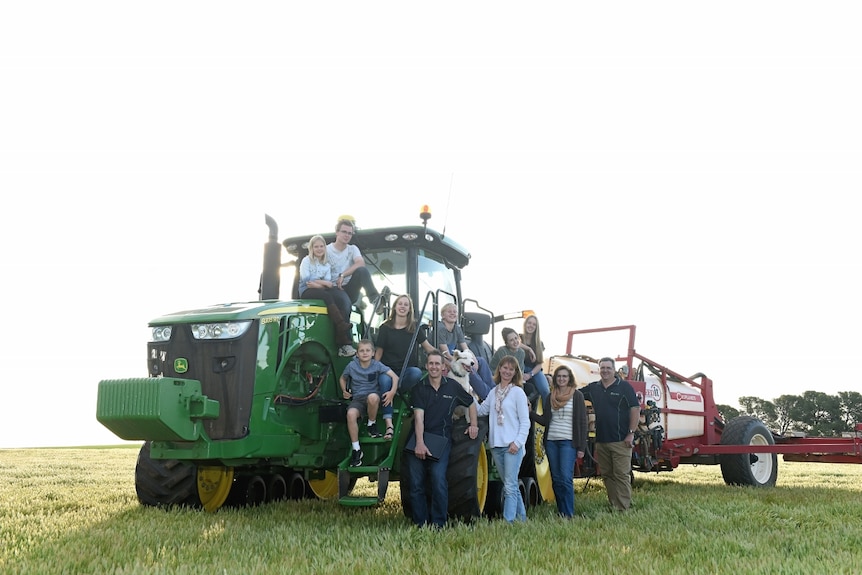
[494, 501]
[326, 488]
[467, 473]
[543, 468]
[165, 482]
[214, 486]
[531, 493]
[276, 488]
[755, 469]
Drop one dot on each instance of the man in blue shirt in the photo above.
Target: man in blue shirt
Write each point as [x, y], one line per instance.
[434, 399]
[617, 412]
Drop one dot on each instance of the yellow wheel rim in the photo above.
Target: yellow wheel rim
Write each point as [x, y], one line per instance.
[482, 478]
[214, 484]
[543, 469]
[325, 488]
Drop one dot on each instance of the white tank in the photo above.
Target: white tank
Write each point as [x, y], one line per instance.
[680, 396]
[585, 370]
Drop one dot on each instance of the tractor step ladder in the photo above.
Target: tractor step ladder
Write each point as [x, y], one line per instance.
[376, 471]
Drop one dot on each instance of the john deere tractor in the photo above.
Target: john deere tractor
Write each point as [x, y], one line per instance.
[241, 403]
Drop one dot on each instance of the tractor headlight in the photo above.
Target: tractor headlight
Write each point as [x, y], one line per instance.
[161, 333]
[224, 330]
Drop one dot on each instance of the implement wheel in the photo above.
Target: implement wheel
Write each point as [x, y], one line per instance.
[755, 469]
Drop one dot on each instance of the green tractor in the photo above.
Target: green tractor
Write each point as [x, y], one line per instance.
[242, 405]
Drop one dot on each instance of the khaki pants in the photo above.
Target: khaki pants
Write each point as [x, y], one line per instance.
[615, 467]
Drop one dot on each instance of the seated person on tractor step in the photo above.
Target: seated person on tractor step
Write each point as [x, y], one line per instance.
[360, 384]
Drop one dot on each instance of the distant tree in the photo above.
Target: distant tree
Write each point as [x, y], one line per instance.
[850, 405]
[788, 415]
[759, 408]
[727, 412]
[823, 413]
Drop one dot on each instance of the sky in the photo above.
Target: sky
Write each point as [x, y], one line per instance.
[692, 169]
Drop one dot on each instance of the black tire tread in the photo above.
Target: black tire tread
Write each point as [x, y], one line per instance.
[165, 482]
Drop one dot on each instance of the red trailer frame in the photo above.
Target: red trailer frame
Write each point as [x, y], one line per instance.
[706, 448]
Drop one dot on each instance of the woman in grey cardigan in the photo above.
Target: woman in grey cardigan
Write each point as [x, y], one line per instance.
[565, 422]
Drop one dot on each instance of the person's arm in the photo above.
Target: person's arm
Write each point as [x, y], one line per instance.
[342, 381]
[421, 449]
[581, 430]
[634, 418]
[358, 261]
[528, 349]
[389, 396]
[523, 408]
[473, 429]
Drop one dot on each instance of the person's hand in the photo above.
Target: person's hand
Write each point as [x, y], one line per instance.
[532, 354]
[421, 451]
[388, 397]
[472, 431]
[513, 449]
[346, 394]
[580, 454]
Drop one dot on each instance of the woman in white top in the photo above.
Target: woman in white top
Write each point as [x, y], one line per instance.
[508, 412]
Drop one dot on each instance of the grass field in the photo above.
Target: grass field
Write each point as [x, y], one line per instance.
[74, 510]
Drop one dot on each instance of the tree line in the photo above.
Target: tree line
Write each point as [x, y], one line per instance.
[814, 412]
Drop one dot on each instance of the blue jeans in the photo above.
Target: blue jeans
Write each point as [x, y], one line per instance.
[509, 466]
[411, 377]
[361, 279]
[482, 380]
[561, 460]
[541, 383]
[420, 470]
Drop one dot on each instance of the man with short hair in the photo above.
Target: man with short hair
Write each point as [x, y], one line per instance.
[348, 266]
[434, 399]
[617, 412]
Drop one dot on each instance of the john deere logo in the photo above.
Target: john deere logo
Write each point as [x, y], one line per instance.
[181, 365]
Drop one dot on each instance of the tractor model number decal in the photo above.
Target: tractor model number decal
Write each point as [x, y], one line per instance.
[181, 365]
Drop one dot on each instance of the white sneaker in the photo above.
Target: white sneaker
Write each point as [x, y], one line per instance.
[346, 351]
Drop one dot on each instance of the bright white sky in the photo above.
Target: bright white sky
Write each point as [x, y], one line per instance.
[689, 168]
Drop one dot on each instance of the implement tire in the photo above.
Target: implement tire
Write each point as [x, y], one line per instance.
[755, 469]
[165, 482]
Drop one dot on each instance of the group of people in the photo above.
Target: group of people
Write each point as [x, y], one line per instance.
[335, 273]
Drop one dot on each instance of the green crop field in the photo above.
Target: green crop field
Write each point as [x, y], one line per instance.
[74, 510]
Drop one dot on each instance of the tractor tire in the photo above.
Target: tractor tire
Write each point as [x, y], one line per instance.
[165, 482]
[754, 469]
[467, 474]
[404, 486]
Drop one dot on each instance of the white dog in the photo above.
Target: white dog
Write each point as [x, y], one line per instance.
[463, 362]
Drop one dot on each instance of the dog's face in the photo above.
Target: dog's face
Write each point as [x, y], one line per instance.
[463, 362]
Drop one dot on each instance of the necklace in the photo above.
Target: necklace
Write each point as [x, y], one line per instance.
[499, 395]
